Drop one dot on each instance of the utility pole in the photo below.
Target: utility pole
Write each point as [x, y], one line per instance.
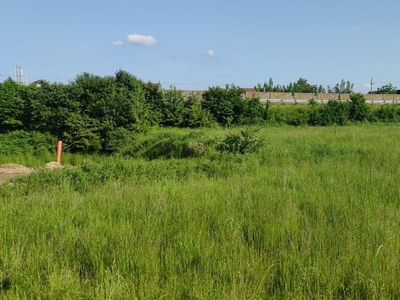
[371, 83]
[18, 74]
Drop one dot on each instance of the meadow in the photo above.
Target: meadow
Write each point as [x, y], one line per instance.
[313, 214]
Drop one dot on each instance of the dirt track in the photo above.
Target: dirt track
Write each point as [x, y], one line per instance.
[12, 170]
[8, 171]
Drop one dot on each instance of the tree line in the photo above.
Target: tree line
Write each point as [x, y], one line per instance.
[303, 86]
[100, 114]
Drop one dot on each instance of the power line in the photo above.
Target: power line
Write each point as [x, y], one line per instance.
[208, 83]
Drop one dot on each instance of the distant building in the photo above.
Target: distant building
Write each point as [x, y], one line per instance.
[39, 83]
[250, 90]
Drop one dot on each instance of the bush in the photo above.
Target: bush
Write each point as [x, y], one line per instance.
[289, 114]
[253, 112]
[168, 145]
[334, 113]
[194, 115]
[225, 104]
[115, 139]
[299, 116]
[358, 109]
[23, 142]
[314, 113]
[388, 113]
[243, 142]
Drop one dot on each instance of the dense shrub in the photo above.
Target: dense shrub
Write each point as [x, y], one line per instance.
[388, 113]
[24, 142]
[172, 106]
[314, 112]
[299, 116]
[243, 142]
[11, 106]
[95, 114]
[358, 109]
[288, 114]
[194, 115]
[254, 112]
[168, 145]
[334, 112]
[225, 104]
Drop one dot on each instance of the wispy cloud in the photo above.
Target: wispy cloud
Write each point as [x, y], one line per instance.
[117, 43]
[140, 40]
[211, 53]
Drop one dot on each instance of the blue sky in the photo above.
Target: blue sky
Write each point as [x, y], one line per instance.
[197, 44]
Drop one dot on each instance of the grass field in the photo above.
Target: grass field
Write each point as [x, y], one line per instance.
[314, 214]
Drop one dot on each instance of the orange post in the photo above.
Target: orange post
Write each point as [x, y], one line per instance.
[59, 149]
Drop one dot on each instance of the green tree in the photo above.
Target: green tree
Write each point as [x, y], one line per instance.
[82, 134]
[321, 89]
[344, 87]
[358, 108]
[253, 112]
[47, 108]
[172, 107]
[386, 89]
[266, 87]
[11, 106]
[225, 104]
[106, 104]
[333, 113]
[302, 86]
[194, 115]
[154, 97]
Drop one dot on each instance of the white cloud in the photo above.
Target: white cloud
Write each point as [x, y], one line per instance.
[211, 53]
[117, 43]
[368, 85]
[140, 40]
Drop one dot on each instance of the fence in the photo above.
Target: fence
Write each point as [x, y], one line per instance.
[303, 98]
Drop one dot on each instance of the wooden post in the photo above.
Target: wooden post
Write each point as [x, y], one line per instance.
[59, 149]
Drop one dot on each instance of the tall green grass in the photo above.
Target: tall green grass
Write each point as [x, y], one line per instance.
[313, 214]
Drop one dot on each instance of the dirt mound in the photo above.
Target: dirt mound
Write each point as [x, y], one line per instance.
[12, 170]
[53, 165]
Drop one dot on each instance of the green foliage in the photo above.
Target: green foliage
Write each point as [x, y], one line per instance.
[172, 108]
[312, 215]
[82, 134]
[386, 89]
[49, 107]
[344, 87]
[225, 104]
[11, 106]
[194, 115]
[388, 113]
[253, 112]
[295, 115]
[334, 112]
[116, 139]
[314, 113]
[302, 86]
[95, 114]
[26, 143]
[153, 94]
[166, 145]
[243, 142]
[299, 116]
[358, 108]
[266, 87]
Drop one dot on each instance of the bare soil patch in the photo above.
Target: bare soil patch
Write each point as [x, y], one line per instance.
[8, 171]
